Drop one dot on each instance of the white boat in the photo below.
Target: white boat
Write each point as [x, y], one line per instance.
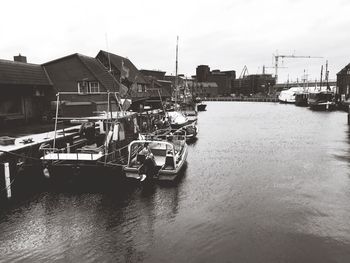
[178, 120]
[288, 96]
[165, 162]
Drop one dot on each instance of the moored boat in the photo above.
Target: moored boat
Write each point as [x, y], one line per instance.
[322, 101]
[100, 145]
[301, 99]
[201, 106]
[178, 120]
[288, 96]
[157, 159]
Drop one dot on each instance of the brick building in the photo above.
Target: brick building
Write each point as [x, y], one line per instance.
[223, 79]
[84, 76]
[253, 84]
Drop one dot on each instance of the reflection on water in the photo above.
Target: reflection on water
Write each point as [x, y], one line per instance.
[264, 183]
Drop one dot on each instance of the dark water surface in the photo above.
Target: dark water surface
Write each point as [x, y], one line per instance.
[264, 183]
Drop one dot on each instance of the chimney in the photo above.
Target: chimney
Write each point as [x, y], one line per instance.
[20, 58]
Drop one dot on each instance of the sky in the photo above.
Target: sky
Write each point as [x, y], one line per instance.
[223, 34]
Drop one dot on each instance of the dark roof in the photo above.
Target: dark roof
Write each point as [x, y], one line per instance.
[117, 61]
[19, 73]
[96, 68]
[344, 70]
[154, 73]
[100, 72]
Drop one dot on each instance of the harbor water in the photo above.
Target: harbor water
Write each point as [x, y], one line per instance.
[264, 182]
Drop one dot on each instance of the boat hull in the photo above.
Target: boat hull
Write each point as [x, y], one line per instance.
[290, 101]
[323, 106]
[201, 107]
[66, 171]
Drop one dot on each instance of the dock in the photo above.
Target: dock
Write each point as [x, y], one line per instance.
[250, 99]
[25, 151]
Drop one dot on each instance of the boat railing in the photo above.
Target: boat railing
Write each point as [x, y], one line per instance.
[117, 157]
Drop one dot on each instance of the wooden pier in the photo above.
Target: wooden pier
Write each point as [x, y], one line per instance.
[25, 151]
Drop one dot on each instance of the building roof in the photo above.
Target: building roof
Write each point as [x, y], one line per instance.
[122, 64]
[344, 70]
[154, 73]
[96, 68]
[19, 73]
[100, 72]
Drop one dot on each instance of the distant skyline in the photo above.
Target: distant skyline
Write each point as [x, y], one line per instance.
[224, 34]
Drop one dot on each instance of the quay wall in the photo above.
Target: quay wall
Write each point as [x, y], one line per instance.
[242, 99]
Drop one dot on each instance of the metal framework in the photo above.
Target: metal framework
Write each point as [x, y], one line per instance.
[277, 57]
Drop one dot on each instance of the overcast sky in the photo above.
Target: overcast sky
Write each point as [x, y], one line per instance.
[224, 34]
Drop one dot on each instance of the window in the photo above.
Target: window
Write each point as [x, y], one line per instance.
[11, 105]
[94, 87]
[82, 87]
[139, 88]
[85, 87]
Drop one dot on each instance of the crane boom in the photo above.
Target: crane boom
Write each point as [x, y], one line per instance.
[287, 56]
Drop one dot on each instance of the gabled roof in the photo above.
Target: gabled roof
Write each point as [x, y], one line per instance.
[100, 72]
[344, 70]
[96, 68]
[19, 73]
[118, 61]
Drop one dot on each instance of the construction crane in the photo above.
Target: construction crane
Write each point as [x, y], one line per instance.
[264, 69]
[244, 72]
[277, 57]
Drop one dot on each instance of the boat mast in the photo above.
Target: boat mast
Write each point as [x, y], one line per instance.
[326, 75]
[57, 107]
[176, 65]
[321, 77]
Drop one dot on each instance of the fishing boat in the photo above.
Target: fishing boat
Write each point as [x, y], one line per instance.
[322, 101]
[160, 158]
[99, 147]
[178, 118]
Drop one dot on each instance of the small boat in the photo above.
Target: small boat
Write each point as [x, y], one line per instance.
[322, 101]
[190, 111]
[201, 106]
[178, 120]
[164, 161]
[288, 96]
